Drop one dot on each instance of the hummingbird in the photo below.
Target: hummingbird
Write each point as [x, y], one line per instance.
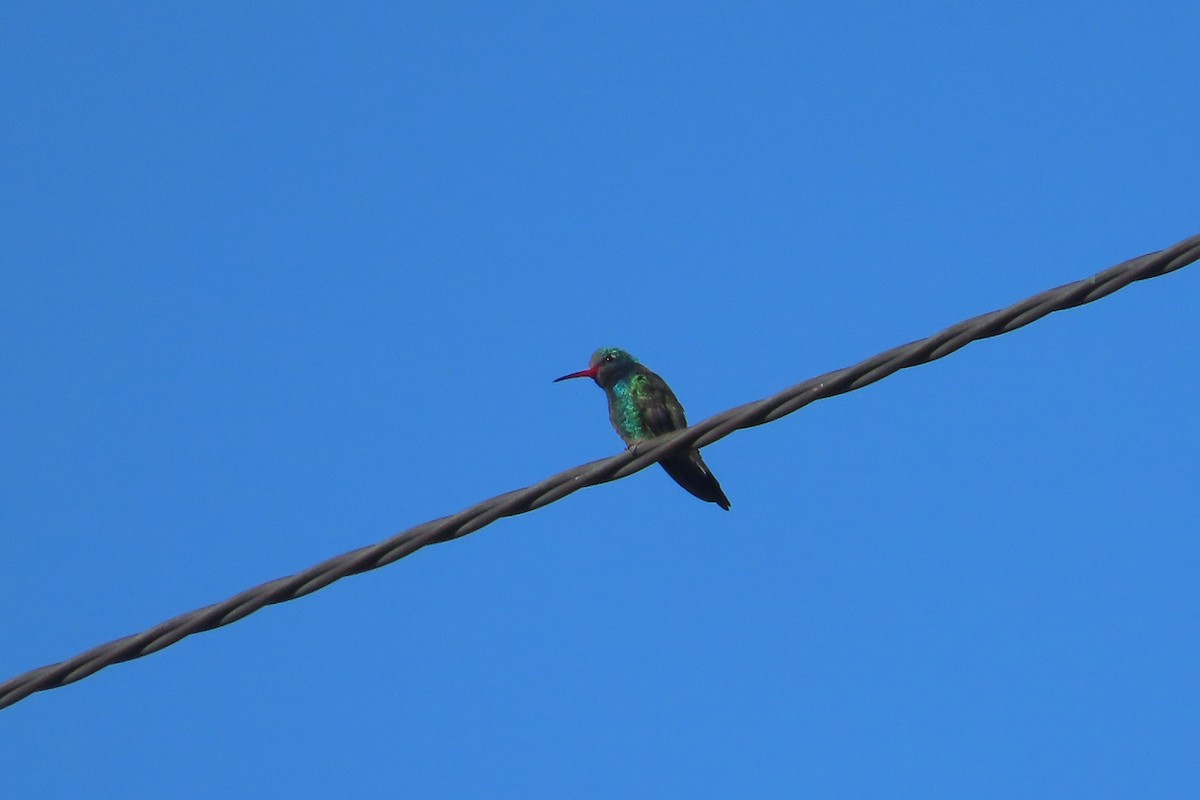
[642, 406]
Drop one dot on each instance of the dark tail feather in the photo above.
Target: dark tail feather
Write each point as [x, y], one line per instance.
[690, 472]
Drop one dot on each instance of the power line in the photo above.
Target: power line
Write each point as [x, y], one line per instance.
[626, 463]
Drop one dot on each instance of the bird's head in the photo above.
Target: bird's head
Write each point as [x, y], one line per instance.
[606, 366]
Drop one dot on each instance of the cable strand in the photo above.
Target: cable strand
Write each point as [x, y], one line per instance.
[604, 470]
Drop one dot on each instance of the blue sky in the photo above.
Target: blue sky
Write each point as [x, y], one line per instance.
[283, 279]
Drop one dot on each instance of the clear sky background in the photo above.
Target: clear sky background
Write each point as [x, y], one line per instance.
[280, 280]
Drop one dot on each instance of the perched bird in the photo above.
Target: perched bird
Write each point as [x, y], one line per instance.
[642, 406]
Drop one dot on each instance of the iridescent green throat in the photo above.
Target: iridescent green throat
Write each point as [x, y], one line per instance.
[626, 413]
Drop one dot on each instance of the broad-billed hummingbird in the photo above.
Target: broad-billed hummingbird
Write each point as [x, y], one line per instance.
[642, 406]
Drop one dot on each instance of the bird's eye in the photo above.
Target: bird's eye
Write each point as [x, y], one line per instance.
[608, 357]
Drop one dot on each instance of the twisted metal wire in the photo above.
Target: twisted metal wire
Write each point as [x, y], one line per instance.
[602, 471]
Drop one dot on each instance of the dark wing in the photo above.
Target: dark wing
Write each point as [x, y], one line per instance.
[661, 412]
